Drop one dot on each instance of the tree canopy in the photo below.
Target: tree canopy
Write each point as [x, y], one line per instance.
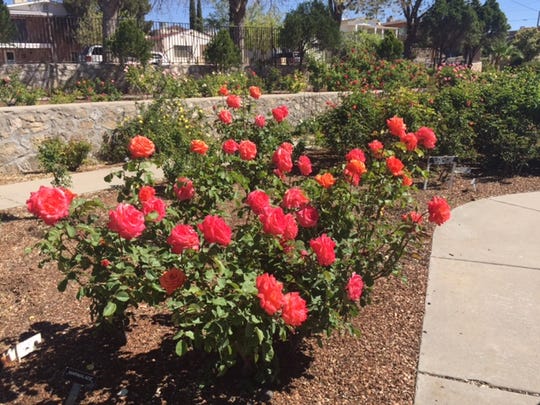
[7, 28]
[129, 41]
[527, 40]
[455, 27]
[310, 25]
[110, 11]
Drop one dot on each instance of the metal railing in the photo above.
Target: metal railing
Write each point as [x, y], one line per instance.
[62, 39]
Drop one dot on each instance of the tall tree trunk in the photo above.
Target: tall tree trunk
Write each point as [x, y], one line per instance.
[410, 40]
[410, 11]
[237, 13]
[110, 9]
[336, 8]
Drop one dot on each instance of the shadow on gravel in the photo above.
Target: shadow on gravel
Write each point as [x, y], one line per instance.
[149, 378]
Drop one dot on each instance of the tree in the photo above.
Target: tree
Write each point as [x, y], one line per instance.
[502, 53]
[472, 42]
[412, 10]
[192, 15]
[447, 25]
[310, 25]
[390, 48]
[110, 11]
[222, 52]
[527, 40]
[369, 8]
[7, 28]
[88, 31]
[260, 23]
[129, 41]
[494, 25]
[199, 23]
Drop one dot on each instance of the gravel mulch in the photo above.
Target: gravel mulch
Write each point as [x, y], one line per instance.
[377, 368]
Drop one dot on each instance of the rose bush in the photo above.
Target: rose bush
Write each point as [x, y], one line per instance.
[243, 252]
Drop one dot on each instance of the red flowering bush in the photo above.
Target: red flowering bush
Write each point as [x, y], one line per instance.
[127, 221]
[225, 116]
[255, 92]
[141, 147]
[280, 113]
[171, 280]
[241, 251]
[270, 293]
[355, 287]
[50, 204]
[234, 101]
[199, 146]
[439, 210]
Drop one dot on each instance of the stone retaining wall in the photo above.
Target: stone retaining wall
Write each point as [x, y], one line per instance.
[23, 128]
[59, 75]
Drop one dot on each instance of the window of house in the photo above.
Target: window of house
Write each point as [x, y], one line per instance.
[10, 57]
[183, 51]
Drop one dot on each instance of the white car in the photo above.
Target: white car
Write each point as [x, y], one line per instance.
[91, 54]
[158, 59]
[94, 54]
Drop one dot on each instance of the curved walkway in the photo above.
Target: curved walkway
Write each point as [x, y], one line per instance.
[15, 195]
[481, 333]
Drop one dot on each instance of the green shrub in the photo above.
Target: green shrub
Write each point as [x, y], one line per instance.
[129, 41]
[96, 90]
[14, 92]
[508, 126]
[294, 82]
[57, 157]
[390, 48]
[458, 109]
[76, 153]
[166, 121]
[353, 123]
[222, 52]
[360, 68]
[237, 270]
[63, 97]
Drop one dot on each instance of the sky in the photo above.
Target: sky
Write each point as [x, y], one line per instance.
[520, 13]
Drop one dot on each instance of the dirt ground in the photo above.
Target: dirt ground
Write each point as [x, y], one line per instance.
[377, 368]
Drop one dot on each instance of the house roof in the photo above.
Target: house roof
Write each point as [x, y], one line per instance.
[180, 33]
[353, 24]
[42, 8]
[395, 23]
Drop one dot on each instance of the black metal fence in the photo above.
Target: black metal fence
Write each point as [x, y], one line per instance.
[67, 39]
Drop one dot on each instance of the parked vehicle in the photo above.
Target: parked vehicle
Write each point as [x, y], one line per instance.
[94, 54]
[158, 59]
[91, 54]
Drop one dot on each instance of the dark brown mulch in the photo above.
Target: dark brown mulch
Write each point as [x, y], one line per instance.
[377, 368]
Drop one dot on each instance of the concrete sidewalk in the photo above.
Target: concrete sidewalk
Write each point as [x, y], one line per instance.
[481, 333]
[15, 195]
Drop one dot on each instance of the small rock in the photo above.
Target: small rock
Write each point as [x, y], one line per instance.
[122, 393]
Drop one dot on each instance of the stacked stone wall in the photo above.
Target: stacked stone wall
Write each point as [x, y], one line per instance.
[22, 129]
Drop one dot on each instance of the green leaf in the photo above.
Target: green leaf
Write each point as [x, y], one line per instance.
[149, 275]
[181, 348]
[260, 334]
[71, 230]
[109, 309]
[122, 296]
[62, 285]
[219, 302]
